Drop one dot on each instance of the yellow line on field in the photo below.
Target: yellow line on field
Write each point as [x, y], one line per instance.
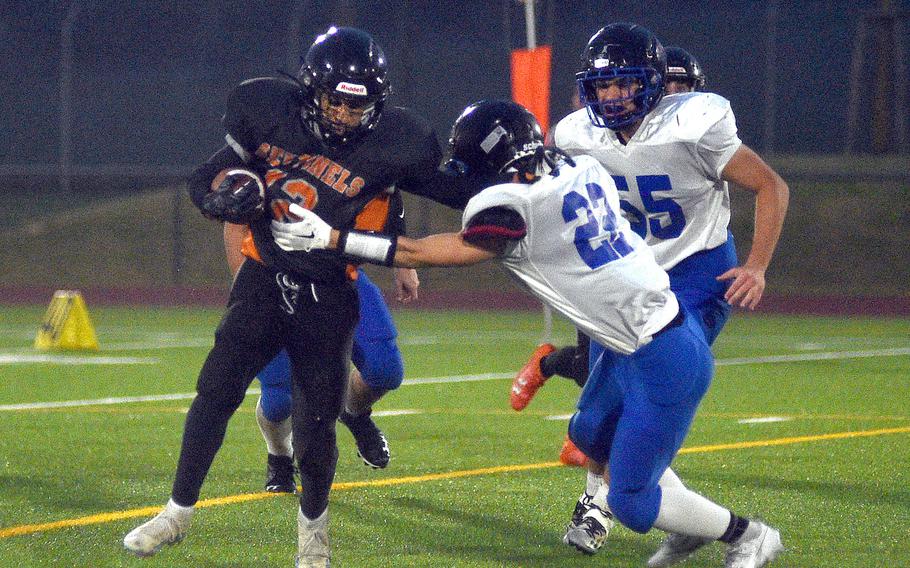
[347, 485]
[793, 440]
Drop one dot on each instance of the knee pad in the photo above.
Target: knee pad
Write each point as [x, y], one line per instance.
[314, 432]
[638, 510]
[379, 363]
[276, 403]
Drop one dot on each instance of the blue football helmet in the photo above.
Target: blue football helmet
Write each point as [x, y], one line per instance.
[632, 56]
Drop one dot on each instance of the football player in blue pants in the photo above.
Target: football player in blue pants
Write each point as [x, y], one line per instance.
[687, 279]
[671, 158]
[555, 224]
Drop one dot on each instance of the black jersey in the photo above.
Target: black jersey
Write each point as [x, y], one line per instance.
[349, 186]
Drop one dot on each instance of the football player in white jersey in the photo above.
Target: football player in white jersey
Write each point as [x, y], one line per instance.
[671, 158]
[555, 223]
[684, 75]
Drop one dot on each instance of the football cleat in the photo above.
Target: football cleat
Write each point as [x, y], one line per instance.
[279, 474]
[675, 548]
[372, 446]
[167, 527]
[571, 455]
[590, 532]
[581, 507]
[755, 548]
[312, 541]
[529, 379]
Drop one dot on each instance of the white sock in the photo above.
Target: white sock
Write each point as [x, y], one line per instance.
[277, 435]
[307, 522]
[670, 479]
[593, 483]
[683, 511]
[178, 511]
[600, 497]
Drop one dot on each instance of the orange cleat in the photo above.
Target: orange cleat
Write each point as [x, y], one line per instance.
[529, 378]
[571, 455]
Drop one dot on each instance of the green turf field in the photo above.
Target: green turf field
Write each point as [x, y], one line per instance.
[472, 483]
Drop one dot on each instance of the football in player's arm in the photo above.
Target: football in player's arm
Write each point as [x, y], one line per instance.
[326, 139]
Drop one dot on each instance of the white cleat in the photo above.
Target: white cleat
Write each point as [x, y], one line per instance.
[589, 535]
[312, 541]
[167, 527]
[756, 548]
[675, 548]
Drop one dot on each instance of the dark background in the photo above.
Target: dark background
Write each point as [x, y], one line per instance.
[149, 81]
[150, 78]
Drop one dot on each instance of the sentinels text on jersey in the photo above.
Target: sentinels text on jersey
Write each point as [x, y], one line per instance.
[347, 186]
[668, 173]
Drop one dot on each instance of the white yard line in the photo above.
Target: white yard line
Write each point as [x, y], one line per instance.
[764, 420]
[829, 355]
[53, 359]
[472, 378]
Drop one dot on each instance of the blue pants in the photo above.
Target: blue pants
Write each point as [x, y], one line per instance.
[635, 412]
[694, 281]
[375, 355]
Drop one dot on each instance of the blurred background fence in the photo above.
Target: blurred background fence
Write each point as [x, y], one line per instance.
[108, 105]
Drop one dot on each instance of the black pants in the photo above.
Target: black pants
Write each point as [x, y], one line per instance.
[268, 311]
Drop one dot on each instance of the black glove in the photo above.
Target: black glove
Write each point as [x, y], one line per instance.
[239, 198]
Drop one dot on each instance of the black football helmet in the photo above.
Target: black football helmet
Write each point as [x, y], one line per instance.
[628, 53]
[492, 140]
[343, 66]
[683, 67]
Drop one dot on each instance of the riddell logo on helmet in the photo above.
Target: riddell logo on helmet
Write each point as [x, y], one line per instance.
[351, 89]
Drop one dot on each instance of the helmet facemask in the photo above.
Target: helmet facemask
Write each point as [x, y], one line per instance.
[338, 118]
[640, 86]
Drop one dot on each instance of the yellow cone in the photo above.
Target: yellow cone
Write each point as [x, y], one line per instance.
[66, 324]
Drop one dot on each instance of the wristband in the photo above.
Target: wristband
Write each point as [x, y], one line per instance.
[372, 247]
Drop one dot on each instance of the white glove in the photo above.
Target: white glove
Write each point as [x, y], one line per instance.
[311, 232]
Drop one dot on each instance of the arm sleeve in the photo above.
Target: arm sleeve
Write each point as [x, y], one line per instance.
[247, 115]
[495, 223]
[200, 181]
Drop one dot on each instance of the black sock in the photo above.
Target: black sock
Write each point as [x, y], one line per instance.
[735, 529]
[561, 362]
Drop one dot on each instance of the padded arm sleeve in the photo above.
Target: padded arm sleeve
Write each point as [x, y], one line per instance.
[495, 222]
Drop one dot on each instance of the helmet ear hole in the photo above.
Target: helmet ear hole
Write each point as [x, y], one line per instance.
[455, 168]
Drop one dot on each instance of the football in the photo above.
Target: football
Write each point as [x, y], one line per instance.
[237, 179]
[237, 196]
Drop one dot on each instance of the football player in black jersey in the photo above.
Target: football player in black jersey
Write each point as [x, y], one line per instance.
[326, 141]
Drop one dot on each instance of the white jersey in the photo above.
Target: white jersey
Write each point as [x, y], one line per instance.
[580, 256]
[668, 174]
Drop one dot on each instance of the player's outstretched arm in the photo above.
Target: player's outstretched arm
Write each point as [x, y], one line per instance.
[445, 249]
[746, 169]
